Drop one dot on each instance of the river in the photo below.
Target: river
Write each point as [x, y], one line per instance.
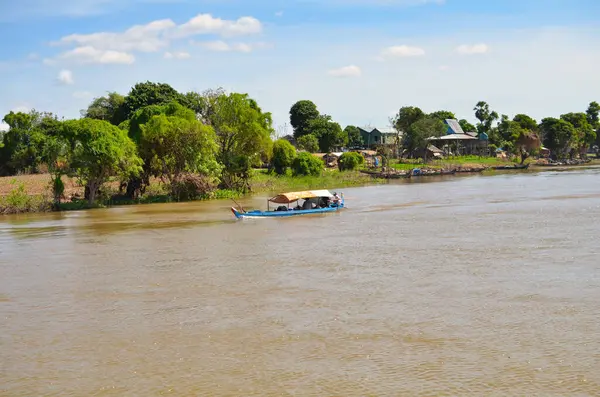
[468, 286]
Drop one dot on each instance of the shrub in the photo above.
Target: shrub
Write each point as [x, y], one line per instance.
[350, 161]
[309, 142]
[189, 186]
[283, 156]
[307, 164]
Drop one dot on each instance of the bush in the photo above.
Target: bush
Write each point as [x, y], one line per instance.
[350, 161]
[18, 201]
[309, 142]
[189, 186]
[307, 164]
[283, 156]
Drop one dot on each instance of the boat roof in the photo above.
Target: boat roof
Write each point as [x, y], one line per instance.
[290, 197]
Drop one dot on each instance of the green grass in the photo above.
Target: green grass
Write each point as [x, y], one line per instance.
[261, 181]
[406, 164]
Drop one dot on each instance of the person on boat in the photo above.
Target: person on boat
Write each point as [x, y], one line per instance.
[336, 198]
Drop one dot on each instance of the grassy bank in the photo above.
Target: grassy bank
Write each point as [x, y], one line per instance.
[452, 162]
[33, 193]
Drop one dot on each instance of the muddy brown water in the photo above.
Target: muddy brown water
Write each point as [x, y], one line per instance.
[475, 285]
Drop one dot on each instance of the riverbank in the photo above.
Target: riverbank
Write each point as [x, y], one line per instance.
[33, 193]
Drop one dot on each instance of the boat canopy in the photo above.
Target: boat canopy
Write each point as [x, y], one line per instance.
[290, 197]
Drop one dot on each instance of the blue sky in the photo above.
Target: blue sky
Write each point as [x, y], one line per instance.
[358, 60]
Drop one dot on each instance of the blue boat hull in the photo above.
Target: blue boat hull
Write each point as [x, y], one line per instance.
[281, 214]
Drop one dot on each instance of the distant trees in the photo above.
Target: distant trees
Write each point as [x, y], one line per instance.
[305, 164]
[353, 136]
[349, 161]
[283, 156]
[306, 120]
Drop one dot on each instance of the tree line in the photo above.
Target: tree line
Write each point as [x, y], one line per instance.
[568, 136]
[198, 141]
[192, 141]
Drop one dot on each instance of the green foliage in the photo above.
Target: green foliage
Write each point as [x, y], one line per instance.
[149, 93]
[442, 115]
[584, 132]
[100, 151]
[354, 137]
[485, 116]
[305, 164]
[415, 137]
[308, 142]
[243, 134]
[466, 126]
[592, 113]
[19, 201]
[328, 132]
[172, 145]
[526, 122]
[22, 143]
[557, 135]
[284, 154]
[302, 113]
[109, 108]
[407, 116]
[350, 161]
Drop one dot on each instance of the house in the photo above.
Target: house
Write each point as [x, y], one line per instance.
[461, 142]
[378, 136]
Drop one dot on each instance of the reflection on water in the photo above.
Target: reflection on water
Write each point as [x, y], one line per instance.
[484, 285]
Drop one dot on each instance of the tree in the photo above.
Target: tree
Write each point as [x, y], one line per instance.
[22, 143]
[243, 134]
[176, 145]
[99, 151]
[508, 131]
[584, 132]
[557, 135]
[149, 93]
[442, 115]
[406, 116]
[56, 155]
[592, 113]
[415, 138]
[526, 143]
[309, 142]
[466, 126]
[485, 117]
[350, 161]
[306, 164]
[526, 122]
[283, 156]
[301, 114]
[109, 108]
[354, 137]
[328, 132]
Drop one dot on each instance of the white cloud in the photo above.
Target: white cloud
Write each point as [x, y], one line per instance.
[118, 47]
[142, 38]
[466, 49]
[65, 77]
[82, 95]
[177, 55]
[207, 24]
[402, 51]
[222, 46]
[90, 54]
[346, 71]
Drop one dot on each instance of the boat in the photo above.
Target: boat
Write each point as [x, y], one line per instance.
[314, 202]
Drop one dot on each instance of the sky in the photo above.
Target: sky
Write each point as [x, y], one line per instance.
[358, 60]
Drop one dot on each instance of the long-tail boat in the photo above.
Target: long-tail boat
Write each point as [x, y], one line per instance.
[313, 202]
